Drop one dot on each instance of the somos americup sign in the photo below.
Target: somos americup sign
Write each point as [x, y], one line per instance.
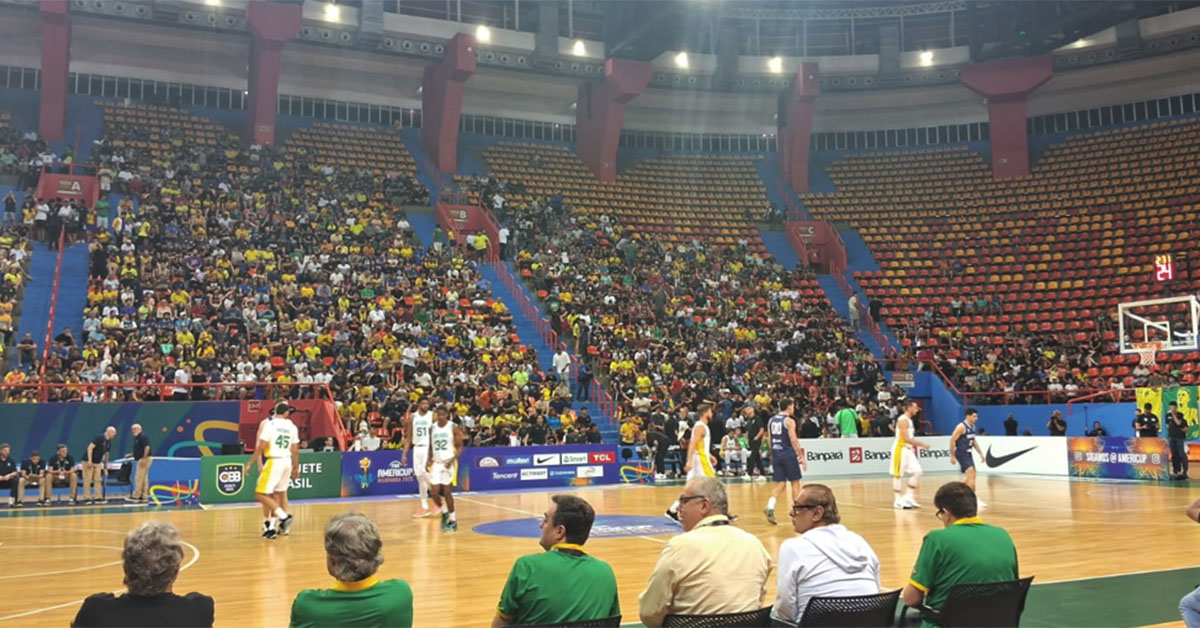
[530, 467]
[873, 456]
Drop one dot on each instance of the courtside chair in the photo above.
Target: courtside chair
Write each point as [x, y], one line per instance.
[607, 622]
[857, 611]
[986, 605]
[750, 619]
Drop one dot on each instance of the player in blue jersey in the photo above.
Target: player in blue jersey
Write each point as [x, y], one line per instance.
[962, 441]
[787, 456]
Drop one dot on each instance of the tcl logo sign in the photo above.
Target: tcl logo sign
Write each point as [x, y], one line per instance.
[856, 456]
[603, 457]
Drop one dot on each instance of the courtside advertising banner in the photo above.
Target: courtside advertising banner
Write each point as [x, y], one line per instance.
[532, 467]
[1119, 457]
[1025, 455]
[377, 473]
[865, 456]
[222, 480]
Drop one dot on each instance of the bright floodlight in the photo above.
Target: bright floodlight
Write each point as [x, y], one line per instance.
[212, 3]
[333, 12]
[681, 60]
[483, 34]
[775, 64]
[579, 48]
[926, 57]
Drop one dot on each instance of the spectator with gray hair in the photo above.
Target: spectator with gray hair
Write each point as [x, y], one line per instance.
[353, 553]
[712, 568]
[152, 558]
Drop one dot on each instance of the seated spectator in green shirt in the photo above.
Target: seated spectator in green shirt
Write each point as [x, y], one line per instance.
[353, 553]
[965, 551]
[562, 584]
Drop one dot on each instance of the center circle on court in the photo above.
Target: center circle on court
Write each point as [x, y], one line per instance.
[605, 527]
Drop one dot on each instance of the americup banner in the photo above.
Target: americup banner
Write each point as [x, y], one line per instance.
[377, 473]
[1187, 398]
[1119, 457]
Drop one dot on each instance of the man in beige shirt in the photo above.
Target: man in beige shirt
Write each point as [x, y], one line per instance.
[712, 568]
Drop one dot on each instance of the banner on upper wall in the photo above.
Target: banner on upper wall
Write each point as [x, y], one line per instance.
[1118, 457]
[533, 467]
[1186, 397]
[377, 473]
[222, 480]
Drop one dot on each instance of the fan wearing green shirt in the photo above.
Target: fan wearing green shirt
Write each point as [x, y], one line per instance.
[965, 551]
[846, 420]
[353, 553]
[562, 584]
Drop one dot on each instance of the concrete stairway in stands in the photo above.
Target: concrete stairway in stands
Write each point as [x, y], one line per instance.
[528, 332]
[72, 290]
[780, 248]
[841, 305]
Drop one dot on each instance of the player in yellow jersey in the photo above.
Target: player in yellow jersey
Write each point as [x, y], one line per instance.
[904, 458]
[279, 444]
[699, 462]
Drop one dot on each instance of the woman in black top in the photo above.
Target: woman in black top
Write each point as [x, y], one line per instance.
[152, 556]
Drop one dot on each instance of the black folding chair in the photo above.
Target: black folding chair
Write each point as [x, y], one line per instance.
[607, 622]
[750, 619]
[985, 605]
[854, 611]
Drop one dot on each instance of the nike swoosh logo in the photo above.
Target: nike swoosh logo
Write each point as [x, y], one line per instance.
[995, 461]
[544, 458]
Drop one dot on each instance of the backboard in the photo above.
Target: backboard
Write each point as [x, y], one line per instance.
[1174, 322]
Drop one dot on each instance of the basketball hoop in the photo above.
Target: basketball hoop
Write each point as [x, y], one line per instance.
[1148, 351]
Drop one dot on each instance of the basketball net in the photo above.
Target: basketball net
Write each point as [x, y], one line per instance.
[1148, 351]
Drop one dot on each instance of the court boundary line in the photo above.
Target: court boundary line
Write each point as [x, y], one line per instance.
[37, 611]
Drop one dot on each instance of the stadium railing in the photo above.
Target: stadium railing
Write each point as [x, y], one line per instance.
[62, 234]
[221, 391]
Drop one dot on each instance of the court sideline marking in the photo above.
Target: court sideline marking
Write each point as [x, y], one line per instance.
[41, 574]
[536, 515]
[36, 611]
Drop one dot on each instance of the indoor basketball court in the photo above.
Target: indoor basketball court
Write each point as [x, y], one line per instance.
[1093, 546]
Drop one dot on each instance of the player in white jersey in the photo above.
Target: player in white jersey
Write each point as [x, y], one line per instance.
[904, 458]
[699, 461]
[416, 437]
[279, 444]
[445, 440]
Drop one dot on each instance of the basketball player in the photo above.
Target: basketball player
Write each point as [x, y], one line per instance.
[699, 462]
[279, 443]
[416, 437]
[904, 458]
[962, 440]
[787, 456]
[445, 440]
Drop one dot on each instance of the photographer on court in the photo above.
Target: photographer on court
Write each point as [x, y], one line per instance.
[1177, 428]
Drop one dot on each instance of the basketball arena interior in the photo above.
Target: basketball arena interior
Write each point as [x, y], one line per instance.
[674, 313]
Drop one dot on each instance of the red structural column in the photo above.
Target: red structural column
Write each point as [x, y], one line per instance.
[600, 112]
[1006, 84]
[442, 90]
[271, 25]
[56, 57]
[795, 126]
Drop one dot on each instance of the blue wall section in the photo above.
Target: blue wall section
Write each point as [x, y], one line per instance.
[780, 248]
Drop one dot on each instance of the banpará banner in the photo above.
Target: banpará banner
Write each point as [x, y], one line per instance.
[1187, 398]
[1119, 457]
[222, 480]
[1036, 455]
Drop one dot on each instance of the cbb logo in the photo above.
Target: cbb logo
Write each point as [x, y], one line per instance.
[229, 479]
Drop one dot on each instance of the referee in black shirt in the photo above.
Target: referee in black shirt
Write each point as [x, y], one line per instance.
[9, 476]
[95, 465]
[1177, 438]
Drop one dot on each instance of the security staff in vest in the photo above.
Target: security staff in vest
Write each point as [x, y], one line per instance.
[141, 460]
[1177, 428]
[95, 465]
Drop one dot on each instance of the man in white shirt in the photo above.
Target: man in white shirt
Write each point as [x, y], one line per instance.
[825, 560]
[182, 379]
[562, 364]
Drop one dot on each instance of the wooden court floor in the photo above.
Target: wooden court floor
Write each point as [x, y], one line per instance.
[1065, 531]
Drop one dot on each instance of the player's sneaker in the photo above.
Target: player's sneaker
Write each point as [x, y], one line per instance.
[770, 513]
[451, 526]
[423, 513]
[900, 504]
[268, 531]
[911, 503]
[673, 516]
[285, 524]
